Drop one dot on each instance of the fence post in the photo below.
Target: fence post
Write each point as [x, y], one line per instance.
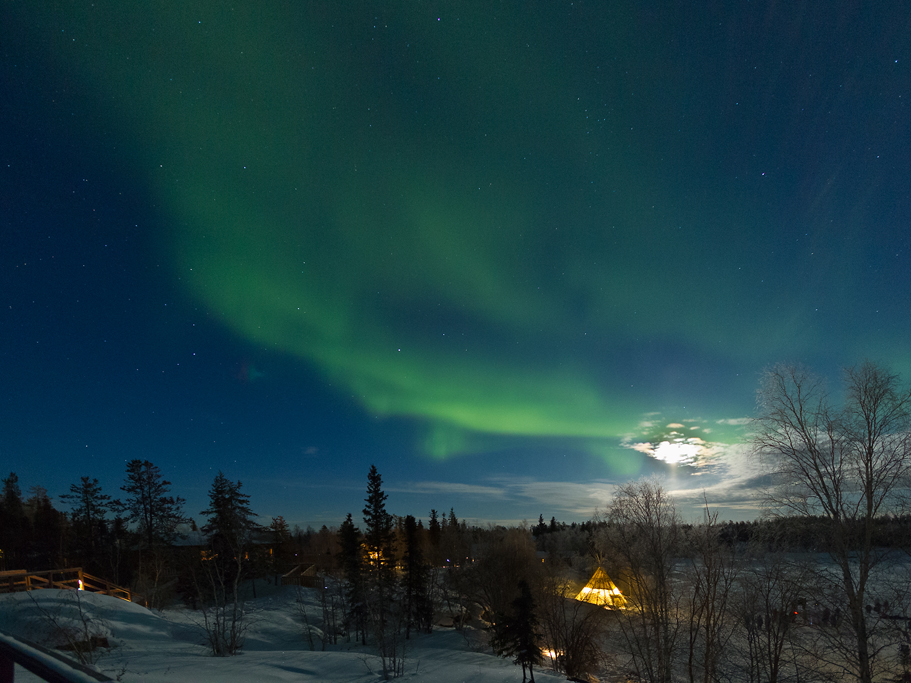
[7, 673]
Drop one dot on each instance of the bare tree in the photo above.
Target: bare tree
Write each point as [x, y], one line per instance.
[711, 575]
[643, 531]
[769, 589]
[224, 618]
[847, 464]
[504, 557]
[573, 629]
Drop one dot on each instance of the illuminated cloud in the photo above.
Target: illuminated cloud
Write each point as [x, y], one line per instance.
[684, 443]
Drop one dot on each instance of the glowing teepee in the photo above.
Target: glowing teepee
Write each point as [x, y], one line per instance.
[600, 590]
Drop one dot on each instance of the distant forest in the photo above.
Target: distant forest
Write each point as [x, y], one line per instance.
[101, 533]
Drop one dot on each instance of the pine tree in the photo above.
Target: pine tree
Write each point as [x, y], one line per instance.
[89, 506]
[418, 607]
[230, 518]
[283, 545]
[14, 525]
[379, 577]
[230, 525]
[434, 538]
[433, 529]
[378, 533]
[517, 635]
[280, 527]
[351, 561]
[47, 523]
[454, 547]
[155, 513]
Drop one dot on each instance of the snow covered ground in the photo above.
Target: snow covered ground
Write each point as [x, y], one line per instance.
[166, 647]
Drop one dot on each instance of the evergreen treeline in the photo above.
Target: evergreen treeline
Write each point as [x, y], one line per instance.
[794, 533]
[104, 534]
[383, 578]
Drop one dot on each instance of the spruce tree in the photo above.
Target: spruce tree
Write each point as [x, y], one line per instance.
[379, 577]
[88, 509]
[418, 607]
[230, 525]
[231, 520]
[350, 559]
[46, 542]
[434, 538]
[378, 533]
[14, 525]
[147, 505]
[517, 635]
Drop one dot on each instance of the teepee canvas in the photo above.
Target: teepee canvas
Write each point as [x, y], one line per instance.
[600, 590]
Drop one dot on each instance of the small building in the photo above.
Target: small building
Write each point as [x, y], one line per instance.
[601, 591]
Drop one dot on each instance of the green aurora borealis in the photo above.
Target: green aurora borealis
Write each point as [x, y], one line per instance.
[508, 225]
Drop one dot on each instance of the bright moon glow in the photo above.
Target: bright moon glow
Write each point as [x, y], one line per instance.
[676, 450]
[676, 453]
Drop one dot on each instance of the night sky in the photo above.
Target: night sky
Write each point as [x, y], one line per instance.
[511, 253]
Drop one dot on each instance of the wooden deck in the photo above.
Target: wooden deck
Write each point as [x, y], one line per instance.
[73, 578]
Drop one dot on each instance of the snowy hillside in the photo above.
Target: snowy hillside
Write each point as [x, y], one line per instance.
[167, 647]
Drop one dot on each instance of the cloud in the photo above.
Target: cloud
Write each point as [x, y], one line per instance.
[735, 421]
[458, 488]
[571, 500]
[563, 499]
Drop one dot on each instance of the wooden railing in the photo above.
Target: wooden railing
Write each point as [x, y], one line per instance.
[47, 665]
[73, 578]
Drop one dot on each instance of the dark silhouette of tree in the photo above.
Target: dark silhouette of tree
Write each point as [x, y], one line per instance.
[519, 636]
[46, 544]
[574, 628]
[434, 537]
[283, 552]
[378, 540]
[503, 558]
[644, 536]
[230, 519]
[379, 574]
[767, 585]
[848, 465]
[351, 561]
[418, 606]
[88, 509]
[455, 546]
[148, 505]
[230, 527]
[14, 526]
[280, 527]
[711, 573]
